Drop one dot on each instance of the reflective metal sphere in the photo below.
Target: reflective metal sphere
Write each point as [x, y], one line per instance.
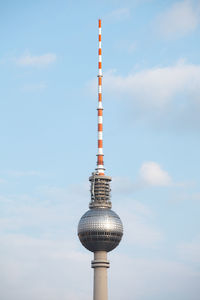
[100, 229]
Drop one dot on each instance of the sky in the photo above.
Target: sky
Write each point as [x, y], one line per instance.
[48, 130]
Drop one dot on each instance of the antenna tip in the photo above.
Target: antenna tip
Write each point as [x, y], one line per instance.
[99, 22]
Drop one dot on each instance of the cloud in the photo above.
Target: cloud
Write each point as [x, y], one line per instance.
[125, 46]
[180, 19]
[118, 14]
[139, 229]
[147, 278]
[76, 193]
[33, 268]
[36, 61]
[2, 180]
[190, 251]
[138, 220]
[122, 185]
[155, 87]
[39, 241]
[30, 268]
[16, 173]
[49, 211]
[160, 95]
[152, 174]
[185, 196]
[33, 87]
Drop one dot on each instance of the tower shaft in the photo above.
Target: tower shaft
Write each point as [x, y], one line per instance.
[100, 265]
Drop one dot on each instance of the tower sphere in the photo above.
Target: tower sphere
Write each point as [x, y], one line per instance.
[100, 229]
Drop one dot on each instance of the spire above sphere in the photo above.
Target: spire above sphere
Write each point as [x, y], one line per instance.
[100, 164]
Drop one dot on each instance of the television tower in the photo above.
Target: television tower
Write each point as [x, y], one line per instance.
[100, 229]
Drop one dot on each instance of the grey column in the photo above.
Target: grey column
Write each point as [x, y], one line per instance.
[100, 265]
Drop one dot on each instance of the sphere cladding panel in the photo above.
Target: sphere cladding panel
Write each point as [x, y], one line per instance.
[100, 229]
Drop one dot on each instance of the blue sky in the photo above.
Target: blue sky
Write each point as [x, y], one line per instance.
[48, 100]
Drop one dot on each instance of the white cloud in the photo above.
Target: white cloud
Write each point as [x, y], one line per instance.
[16, 173]
[190, 251]
[2, 180]
[36, 61]
[125, 46]
[185, 196]
[180, 19]
[139, 229]
[138, 220]
[161, 95]
[118, 14]
[39, 241]
[33, 268]
[32, 87]
[146, 278]
[76, 193]
[155, 87]
[122, 185]
[152, 174]
[48, 212]
[30, 261]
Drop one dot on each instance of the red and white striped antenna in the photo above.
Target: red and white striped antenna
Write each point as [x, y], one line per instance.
[100, 164]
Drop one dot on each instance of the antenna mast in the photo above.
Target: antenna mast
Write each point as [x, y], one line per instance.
[100, 164]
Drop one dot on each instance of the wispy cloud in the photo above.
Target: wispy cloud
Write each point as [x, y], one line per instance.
[151, 173]
[156, 86]
[139, 226]
[186, 196]
[180, 19]
[2, 180]
[145, 278]
[49, 207]
[34, 87]
[39, 261]
[40, 234]
[36, 60]
[123, 185]
[16, 173]
[118, 14]
[168, 95]
[125, 46]
[190, 251]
